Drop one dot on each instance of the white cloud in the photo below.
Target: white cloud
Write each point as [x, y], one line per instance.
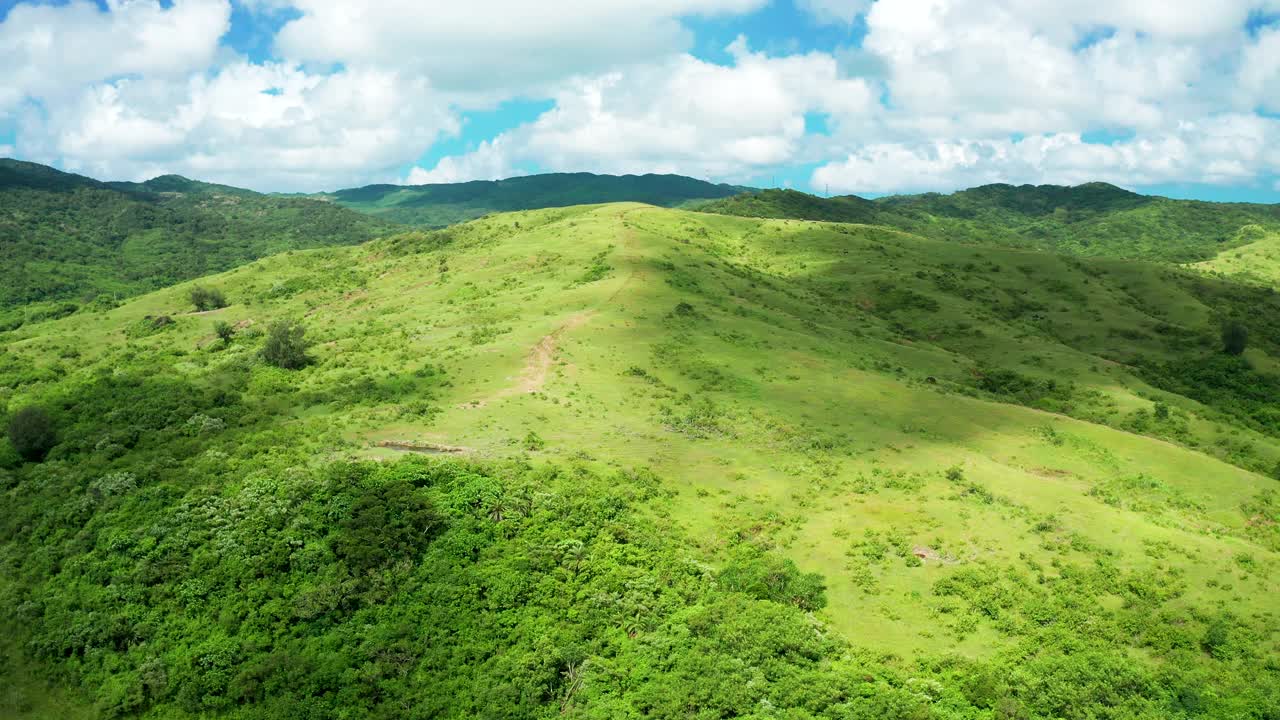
[487, 45]
[6, 151]
[1168, 19]
[964, 68]
[263, 126]
[51, 51]
[490, 161]
[1230, 149]
[1259, 77]
[842, 12]
[961, 79]
[685, 115]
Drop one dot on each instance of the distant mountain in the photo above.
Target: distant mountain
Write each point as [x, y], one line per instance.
[66, 238]
[447, 204]
[176, 184]
[1094, 219]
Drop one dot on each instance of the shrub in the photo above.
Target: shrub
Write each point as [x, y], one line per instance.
[286, 345]
[225, 330]
[205, 298]
[32, 434]
[1235, 338]
[769, 577]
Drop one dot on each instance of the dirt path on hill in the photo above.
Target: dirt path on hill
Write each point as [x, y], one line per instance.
[537, 366]
[541, 357]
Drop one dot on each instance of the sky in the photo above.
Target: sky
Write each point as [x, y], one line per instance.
[872, 97]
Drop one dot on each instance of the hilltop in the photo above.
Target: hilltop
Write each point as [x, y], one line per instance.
[1095, 219]
[446, 204]
[66, 239]
[624, 461]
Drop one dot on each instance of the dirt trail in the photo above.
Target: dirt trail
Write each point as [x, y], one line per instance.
[538, 365]
[540, 359]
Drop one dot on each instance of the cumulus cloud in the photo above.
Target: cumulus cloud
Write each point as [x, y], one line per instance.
[491, 161]
[50, 51]
[1259, 76]
[1230, 149]
[842, 12]
[268, 126]
[502, 45]
[686, 115]
[964, 67]
[936, 94]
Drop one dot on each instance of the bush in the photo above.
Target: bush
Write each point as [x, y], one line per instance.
[205, 298]
[286, 345]
[769, 577]
[32, 434]
[1235, 338]
[534, 442]
[226, 331]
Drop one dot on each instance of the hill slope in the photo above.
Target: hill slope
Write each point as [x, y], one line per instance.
[446, 204]
[1095, 219]
[65, 239]
[1030, 485]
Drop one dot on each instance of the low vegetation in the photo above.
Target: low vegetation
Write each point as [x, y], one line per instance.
[68, 242]
[623, 461]
[1095, 219]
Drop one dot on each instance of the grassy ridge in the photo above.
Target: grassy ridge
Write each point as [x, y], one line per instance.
[1095, 219]
[66, 239]
[441, 205]
[1023, 500]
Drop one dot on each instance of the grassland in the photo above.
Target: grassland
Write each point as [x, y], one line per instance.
[977, 447]
[1256, 262]
[1094, 219]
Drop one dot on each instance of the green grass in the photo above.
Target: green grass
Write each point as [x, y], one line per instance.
[1257, 262]
[844, 395]
[1094, 219]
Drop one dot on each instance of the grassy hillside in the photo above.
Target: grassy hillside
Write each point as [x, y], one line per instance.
[1256, 262]
[1095, 219]
[67, 239]
[437, 206]
[624, 461]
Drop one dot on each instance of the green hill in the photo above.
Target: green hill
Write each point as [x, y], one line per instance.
[621, 461]
[437, 206]
[1095, 219]
[66, 239]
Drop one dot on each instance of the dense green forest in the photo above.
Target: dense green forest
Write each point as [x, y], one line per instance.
[623, 461]
[1094, 219]
[67, 240]
[445, 204]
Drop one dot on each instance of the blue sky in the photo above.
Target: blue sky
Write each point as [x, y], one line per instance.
[847, 96]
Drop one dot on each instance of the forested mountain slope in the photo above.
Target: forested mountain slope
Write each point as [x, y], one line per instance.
[1095, 219]
[444, 204]
[66, 239]
[622, 461]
